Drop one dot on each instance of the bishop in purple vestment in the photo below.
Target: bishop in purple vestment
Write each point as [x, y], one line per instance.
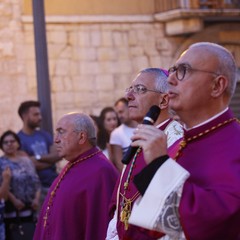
[192, 191]
[148, 88]
[76, 207]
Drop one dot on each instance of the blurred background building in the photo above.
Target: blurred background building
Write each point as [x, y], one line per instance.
[96, 47]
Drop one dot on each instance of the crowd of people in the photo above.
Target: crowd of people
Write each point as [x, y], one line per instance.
[181, 180]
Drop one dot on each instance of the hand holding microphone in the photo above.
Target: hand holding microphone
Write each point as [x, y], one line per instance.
[149, 119]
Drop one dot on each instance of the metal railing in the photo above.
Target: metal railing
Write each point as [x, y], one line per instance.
[167, 5]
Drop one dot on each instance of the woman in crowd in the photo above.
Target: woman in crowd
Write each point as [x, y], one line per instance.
[108, 121]
[4, 188]
[24, 194]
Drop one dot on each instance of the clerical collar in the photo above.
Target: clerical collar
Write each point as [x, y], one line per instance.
[162, 123]
[207, 121]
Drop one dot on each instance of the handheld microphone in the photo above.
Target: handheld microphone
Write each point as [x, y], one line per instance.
[149, 119]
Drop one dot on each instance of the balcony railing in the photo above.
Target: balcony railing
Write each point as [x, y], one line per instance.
[167, 5]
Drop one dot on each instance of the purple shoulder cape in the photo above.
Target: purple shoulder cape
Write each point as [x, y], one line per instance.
[80, 206]
[210, 204]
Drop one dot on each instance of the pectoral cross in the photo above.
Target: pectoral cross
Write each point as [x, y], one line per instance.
[125, 213]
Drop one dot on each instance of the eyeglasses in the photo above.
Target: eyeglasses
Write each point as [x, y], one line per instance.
[140, 89]
[182, 69]
[9, 141]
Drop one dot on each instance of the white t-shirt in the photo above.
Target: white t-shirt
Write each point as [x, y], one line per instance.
[122, 136]
[105, 152]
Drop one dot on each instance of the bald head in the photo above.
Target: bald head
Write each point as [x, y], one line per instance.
[83, 122]
[225, 63]
[202, 82]
[75, 134]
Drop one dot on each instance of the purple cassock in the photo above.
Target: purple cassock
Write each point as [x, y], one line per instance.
[79, 209]
[132, 194]
[210, 204]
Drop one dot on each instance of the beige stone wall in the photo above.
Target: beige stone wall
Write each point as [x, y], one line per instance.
[92, 64]
[15, 86]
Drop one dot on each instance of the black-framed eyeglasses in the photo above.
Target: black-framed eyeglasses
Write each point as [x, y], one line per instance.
[182, 69]
[140, 89]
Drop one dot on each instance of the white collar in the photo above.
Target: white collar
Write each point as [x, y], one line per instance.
[207, 121]
[162, 123]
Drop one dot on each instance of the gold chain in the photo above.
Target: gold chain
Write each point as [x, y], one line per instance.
[184, 142]
[53, 192]
[126, 203]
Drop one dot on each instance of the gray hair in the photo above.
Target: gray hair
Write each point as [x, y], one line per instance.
[83, 122]
[161, 76]
[226, 63]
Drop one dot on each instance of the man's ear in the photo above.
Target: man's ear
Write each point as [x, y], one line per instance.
[82, 137]
[164, 101]
[219, 86]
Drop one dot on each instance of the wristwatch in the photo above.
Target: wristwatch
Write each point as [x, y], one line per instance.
[38, 157]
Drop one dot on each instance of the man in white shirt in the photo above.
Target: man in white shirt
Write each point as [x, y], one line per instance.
[120, 138]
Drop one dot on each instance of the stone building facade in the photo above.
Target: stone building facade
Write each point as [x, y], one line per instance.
[94, 50]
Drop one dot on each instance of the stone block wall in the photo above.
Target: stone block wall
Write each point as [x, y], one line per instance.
[91, 65]
[15, 85]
